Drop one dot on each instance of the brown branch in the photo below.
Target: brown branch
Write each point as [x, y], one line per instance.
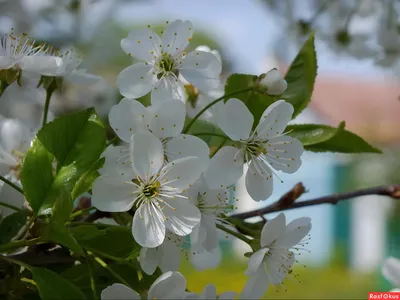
[388, 190]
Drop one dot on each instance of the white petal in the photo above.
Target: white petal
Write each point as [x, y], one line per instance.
[170, 285]
[119, 291]
[80, 76]
[278, 264]
[255, 261]
[295, 231]
[275, 119]
[185, 145]
[181, 173]
[284, 153]
[274, 82]
[211, 241]
[198, 235]
[259, 186]
[210, 292]
[256, 286]
[391, 270]
[10, 196]
[206, 260]
[46, 65]
[111, 194]
[148, 227]
[14, 135]
[142, 43]
[168, 120]
[117, 160]
[182, 216]
[225, 168]
[176, 36]
[170, 256]
[202, 69]
[167, 89]
[273, 229]
[6, 62]
[147, 154]
[136, 81]
[128, 117]
[227, 295]
[148, 260]
[235, 119]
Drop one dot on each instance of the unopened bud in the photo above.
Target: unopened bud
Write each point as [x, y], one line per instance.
[272, 83]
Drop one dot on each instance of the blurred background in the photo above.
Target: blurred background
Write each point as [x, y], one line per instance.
[358, 48]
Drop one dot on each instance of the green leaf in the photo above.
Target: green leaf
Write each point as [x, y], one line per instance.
[322, 138]
[301, 77]
[62, 208]
[84, 184]
[12, 224]
[256, 102]
[203, 126]
[75, 141]
[54, 287]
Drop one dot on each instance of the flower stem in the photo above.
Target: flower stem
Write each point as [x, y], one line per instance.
[13, 185]
[9, 206]
[112, 141]
[234, 233]
[81, 212]
[92, 283]
[49, 92]
[19, 244]
[248, 89]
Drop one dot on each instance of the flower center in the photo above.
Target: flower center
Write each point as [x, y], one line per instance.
[254, 149]
[151, 190]
[192, 94]
[166, 65]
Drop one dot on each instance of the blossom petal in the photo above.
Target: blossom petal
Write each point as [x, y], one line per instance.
[136, 81]
[170, 285]
[117, 161]
[185, 145]
[45, 65]
[181, 173]
[147, 154]
[177, 36]
[167, 89]
[128, 117]
[202, 69]
[235, 119]
[198, 235]
[143, 44]
[275, 119]
[10, 196]
[119, 291]
[295, 231]
[272, 230]
[284, 153]
[211, 240]
[206, 259]
[274, 82]
[256, 286]
[111, 194]
[6, 62]
[391, 270]
[170, 256]
[259, 186]
[227, 295]
[278, 264]
[148, 260]
[148, 227]
[168, 119]
[209, 291]
[14, 135]
[255, 261]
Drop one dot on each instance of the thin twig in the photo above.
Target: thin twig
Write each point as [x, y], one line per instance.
[13, 185]
[387, 190]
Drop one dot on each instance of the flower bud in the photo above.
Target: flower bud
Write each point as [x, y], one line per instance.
[272, 83]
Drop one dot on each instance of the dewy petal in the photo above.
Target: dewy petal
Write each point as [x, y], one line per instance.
[185, 145]
[259, 186]
[168, 119]
[202, 69]
[391, 270]
[181, 173]
[256, 286]
[167, 89]
[182, 216]
[136, 81]
[148, 227]
[272, 230]
[111, 194]
[170, 285]
[295, 231]
[225, 168]
[177, 36]
[147, 154]
[117, 161]
[284, 153]
[275, 119]
[143, 44]
[128, 117]
[169, 256]
[11, 196]
[235, 120]
[255, 261]
[119, 291]
[148, 259]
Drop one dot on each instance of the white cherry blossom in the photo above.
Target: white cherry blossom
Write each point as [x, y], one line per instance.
[153, 189]
[165, 121]
[262, 149]
[170, 285]
[391, 271]
[273, 262]
[273, 82]
[165, 62]
[210, 292]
